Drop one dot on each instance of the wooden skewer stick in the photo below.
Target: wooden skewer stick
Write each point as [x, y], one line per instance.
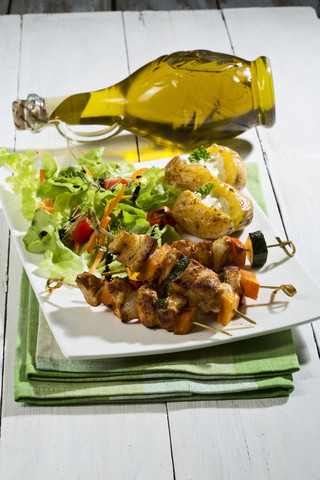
[107, 274]
[245, 317]
[283, 245]
[211, 328]
[54, 283]
[288, 289]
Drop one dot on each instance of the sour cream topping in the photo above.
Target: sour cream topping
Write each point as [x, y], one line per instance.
[215, 165]
[218, 201]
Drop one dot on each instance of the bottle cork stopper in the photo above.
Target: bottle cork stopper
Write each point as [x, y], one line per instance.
[20, 115]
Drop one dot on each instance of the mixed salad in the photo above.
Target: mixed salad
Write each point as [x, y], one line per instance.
[74, 210]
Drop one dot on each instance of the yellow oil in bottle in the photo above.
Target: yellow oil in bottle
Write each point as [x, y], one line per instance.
[182, 100]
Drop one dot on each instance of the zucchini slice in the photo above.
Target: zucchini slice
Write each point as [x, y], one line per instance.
[257, 250]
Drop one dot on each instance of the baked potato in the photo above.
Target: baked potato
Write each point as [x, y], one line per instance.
[214, 210]
[206, 165]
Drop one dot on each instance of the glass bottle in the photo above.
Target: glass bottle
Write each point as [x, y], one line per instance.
[182, 100]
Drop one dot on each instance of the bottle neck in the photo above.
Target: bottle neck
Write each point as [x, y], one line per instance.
[103, 107]
[263, 92]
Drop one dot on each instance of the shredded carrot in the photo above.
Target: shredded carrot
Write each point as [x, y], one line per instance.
[48, 202]
[116, 200]
[77, 246]
[88, 171]
[109, 207]
[96, 261]
[42, 204]
[138, 173]
[42, 175]
[104, 222]
[89, 242]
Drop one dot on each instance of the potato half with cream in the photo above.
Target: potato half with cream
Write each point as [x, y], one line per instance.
[213, 210]
[205, 165]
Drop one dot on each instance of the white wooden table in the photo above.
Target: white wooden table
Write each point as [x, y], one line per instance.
[262, 439]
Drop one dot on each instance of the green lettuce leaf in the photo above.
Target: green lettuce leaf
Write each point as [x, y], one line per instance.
[156, 192]
[25, 181]
[49, 164]
[41, 235]
[129, 218]
[165, 235]
[61, 262]
[93, 161]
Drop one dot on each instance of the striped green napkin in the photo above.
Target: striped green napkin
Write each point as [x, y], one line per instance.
[256, 368]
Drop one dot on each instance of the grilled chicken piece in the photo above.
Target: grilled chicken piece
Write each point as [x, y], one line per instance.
[233, 278]
[91, 288]
[147, 306]
[132, 249]
[121, 296]
[200, 285]
[170, 311]
[174, 315]
[159, 265]
[202, 251]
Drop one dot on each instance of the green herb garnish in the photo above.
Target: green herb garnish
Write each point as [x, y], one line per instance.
[199, 154]
[205, 190]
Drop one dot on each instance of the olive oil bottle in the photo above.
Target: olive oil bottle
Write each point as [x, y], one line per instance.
[182, 100]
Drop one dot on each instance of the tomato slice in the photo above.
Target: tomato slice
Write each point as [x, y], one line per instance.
[161, 216]
[82, 231]
[111, 183]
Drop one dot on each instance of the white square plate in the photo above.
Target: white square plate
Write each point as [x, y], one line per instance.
[83, 332]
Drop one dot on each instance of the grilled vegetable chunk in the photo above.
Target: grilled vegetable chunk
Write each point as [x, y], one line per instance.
[219, 163]
[220, 211]
[159, 265]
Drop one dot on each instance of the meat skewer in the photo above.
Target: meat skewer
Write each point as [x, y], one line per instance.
[186, 285]
[175, 287]
[128, 303]
[246, 283]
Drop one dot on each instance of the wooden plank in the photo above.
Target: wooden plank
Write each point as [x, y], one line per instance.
[266, 3]
[134, 5]
[58, 6]
[101, 441]
[4, 7]
[9, 61]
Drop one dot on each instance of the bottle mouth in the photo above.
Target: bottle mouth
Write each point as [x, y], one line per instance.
[29, 114]
[265, 92]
